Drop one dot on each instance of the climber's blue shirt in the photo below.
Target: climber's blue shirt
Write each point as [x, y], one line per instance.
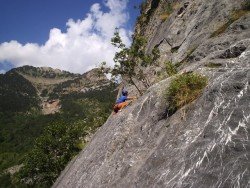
[121, 99]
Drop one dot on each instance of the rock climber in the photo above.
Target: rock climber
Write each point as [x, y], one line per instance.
[123, 101]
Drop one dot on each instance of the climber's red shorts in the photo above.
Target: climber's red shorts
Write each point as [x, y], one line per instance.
[120, 106]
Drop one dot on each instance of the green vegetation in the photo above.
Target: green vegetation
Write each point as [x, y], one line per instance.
[52, 151]
[146, 14]
[17, 94]
[5, 181]
[82, 114]
[44, 93]
[92, 104]
[17, 135]
[246, 6]
[171, 68]
[142, 19]
[213, 65]
[21, 123]
[235, 15]
[129, 60]
[184, 89]
[155, 53]
[168, 10]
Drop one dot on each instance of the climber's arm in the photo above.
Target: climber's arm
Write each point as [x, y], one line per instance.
[131, 98]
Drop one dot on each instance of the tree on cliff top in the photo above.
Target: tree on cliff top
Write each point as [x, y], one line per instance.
[128, 61]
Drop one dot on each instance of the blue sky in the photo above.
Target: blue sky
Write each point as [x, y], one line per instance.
[34, 30]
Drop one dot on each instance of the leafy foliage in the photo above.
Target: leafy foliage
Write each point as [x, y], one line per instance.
[21, 122]
[5, 180]
[129, 60]
[184, 89]
[44, 93]
[89, 102]
[170, 68]
[155, 53]
[169, 8]
[16, 93]
[17, 135]
[52, 151]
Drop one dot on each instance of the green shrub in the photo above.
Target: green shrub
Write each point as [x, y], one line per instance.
[213, 65]
[5, 180]
[184, 89]
[246, 6]
[156, 53]
[9, 181]
[44, 93]
[168, 10]
[52, 151]
[170, 68]
[235, 15]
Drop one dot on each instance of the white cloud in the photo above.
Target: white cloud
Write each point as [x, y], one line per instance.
[84, 45]
[2, 71]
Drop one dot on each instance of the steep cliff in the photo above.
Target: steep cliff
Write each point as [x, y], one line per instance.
[203, 144]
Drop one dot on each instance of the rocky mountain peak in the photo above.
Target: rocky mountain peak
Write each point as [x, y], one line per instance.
[44, 72]
[95, 75]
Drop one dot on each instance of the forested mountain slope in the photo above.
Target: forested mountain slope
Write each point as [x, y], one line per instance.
[35, 102]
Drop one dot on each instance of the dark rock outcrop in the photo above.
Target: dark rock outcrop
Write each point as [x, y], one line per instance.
[205, 143]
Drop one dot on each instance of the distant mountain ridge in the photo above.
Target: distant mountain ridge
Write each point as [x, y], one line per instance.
[38, 86]
[46, 72]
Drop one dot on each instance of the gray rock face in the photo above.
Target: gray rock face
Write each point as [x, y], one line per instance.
[203, 144]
